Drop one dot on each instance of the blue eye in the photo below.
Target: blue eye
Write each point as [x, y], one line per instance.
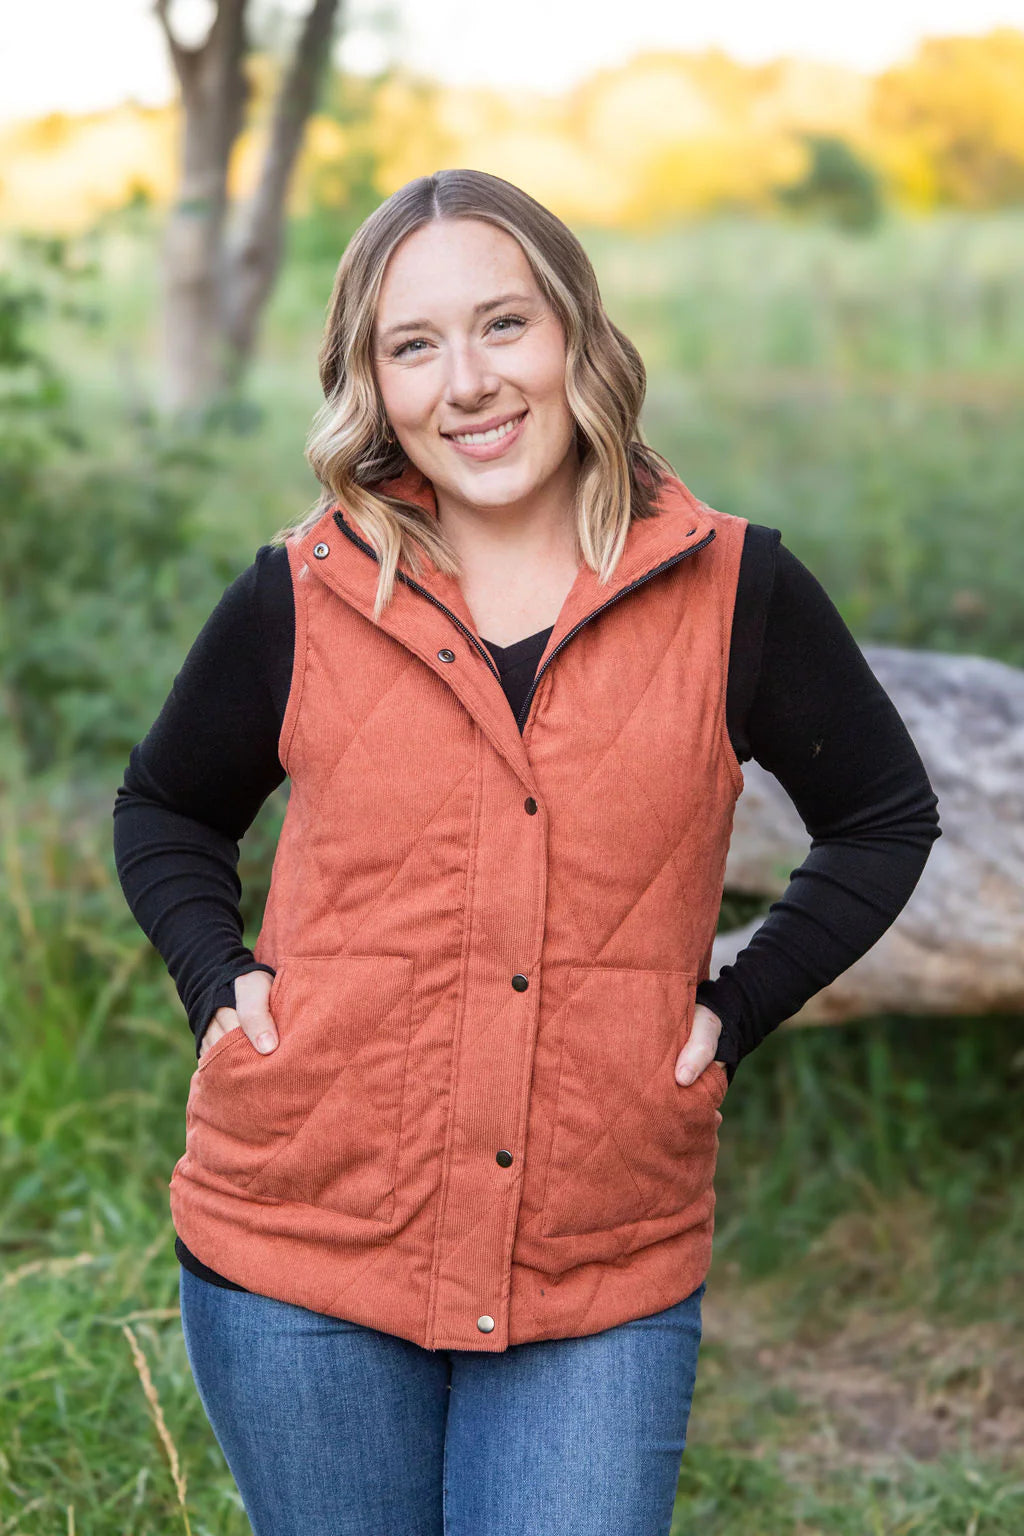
[515, 320]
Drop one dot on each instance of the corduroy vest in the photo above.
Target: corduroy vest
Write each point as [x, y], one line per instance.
[487, 936]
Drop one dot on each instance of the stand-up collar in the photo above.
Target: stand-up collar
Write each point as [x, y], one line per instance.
[350, 565]
[337, 553]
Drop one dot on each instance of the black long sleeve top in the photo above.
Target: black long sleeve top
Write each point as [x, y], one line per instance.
[801, 701]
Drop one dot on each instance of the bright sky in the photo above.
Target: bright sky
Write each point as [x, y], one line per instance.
[66, 55]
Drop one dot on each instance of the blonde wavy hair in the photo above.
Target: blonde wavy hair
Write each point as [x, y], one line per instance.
[351, 447]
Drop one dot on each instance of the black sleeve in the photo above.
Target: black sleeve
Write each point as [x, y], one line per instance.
[194, 785]
[820, 721]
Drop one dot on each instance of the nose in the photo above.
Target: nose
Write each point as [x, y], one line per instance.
[471, 379]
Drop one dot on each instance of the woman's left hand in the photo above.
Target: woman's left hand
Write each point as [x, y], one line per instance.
[699, 1050]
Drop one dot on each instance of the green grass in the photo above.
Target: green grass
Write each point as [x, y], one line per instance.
[862, 1324]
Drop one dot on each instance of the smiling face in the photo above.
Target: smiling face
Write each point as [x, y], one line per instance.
[466, 343]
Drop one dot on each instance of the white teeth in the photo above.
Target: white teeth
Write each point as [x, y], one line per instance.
[493, 436]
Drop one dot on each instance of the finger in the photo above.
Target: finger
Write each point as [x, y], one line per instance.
[223, 1020]
[252, 992]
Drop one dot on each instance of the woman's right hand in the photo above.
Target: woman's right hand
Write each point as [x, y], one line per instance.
[252, 1014]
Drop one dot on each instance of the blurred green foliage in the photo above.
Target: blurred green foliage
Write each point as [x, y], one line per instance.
[100, 550]
[837, 185]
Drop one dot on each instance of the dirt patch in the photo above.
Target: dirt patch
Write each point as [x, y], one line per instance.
[883, 1387]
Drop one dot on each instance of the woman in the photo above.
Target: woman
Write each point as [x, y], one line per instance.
[447, 1192]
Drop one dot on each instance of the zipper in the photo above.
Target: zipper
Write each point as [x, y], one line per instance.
[416, 587]
[523, 715]
[524, 712]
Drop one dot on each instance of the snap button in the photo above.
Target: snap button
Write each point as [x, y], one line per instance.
[520, 982]
[446, 655]
[504, 1158]
[531, 805]
[321, 551]
[485, 1324]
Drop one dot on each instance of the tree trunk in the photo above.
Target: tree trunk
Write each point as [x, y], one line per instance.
[215, 288]
[213, 93]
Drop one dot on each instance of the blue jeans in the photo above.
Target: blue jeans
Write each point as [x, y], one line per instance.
[331, 1428]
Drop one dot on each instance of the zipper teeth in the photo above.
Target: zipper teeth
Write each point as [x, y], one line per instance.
[524, 712]
[435, 600]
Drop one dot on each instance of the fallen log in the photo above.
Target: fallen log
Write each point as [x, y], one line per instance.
[957, 947]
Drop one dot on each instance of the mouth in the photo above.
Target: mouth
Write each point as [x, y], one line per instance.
[492, 441]
[493, 432]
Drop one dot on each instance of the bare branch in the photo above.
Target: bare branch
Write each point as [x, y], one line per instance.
[188, 62]
[256, 253]
[183, 59]
[216, 288]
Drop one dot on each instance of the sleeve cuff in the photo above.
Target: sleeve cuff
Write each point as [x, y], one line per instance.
[723, 1000]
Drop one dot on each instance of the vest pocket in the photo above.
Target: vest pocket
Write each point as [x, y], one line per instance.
[629, 1143]
[319, 1119]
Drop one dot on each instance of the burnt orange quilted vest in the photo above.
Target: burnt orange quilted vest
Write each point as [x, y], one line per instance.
[486, 946]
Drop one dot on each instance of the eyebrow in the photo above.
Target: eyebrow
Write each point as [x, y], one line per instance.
[478, 309]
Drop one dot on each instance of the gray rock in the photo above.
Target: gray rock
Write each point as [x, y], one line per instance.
[958, 945]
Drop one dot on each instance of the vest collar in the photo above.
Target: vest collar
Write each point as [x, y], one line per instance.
[350, 567]
[337, 553]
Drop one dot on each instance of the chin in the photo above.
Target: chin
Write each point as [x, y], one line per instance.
[510, 482]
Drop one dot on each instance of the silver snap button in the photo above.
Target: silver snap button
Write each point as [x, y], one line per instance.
[321, 551]
[485, 1324]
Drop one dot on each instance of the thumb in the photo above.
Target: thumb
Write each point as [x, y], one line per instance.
[252, 1004]
[699, 1050]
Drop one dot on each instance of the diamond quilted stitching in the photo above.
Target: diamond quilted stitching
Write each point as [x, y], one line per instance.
[609, 1122]
[578, 707]
[414, 843]
[566, 901]
[358, 727]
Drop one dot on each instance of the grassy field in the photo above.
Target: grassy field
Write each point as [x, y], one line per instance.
[861, 1370]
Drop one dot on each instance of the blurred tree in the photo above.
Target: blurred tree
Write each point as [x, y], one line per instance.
[217, 280]
[951, 121]
[837, 184]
